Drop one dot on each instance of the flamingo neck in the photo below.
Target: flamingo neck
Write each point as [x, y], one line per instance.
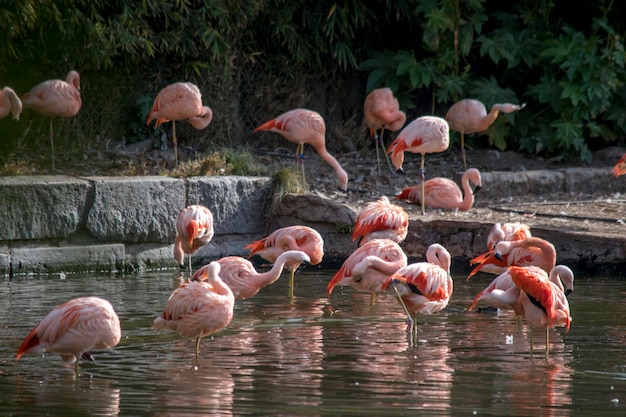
[342, 176]
[468, 194]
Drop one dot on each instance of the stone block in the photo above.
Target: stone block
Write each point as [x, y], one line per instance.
[42, 260]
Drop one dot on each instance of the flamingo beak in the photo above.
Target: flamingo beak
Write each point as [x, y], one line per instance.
[477, 189]
[498, 256]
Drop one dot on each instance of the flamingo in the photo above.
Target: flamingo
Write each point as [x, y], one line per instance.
[620, 167]
[180, 101]
[525, 252]
[507, 231]
[470, 116]
[423, 287]
[543, 302]
[382, 111]
[194, 229]
[443, 193]
[381, 220]
[198, 308]
[73, 329]
[426, 134]
[302, 126]
[10, 103]
[55, 98]
[244, 281]
[369, 266]
[302, 238]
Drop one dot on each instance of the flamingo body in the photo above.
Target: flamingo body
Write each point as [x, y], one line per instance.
[302, 126]
[507, 231]
[194, 229]
[73, 329]
[620, 167]
[382, 111]
[243, 279]
[10, 103]
[443, 193]
[55, 97]
[369, 266]
[180, 101]
[198, 308]
[381, 220]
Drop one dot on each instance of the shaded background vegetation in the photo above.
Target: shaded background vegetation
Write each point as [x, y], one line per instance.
[255, 59]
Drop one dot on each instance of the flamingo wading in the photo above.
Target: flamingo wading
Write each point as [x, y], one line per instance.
[194, 229]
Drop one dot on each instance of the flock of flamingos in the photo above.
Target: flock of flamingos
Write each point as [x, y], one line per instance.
[528, 282]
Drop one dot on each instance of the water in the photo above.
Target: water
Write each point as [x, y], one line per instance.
[317, 357]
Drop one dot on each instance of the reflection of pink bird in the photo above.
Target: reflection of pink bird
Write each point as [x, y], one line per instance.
[368, 267]
[239, 273]
[73, 329]
[544, 303]
[198, 308]
[10, 103]
[424, 287]
[302, 238]
[302, 126]
[444, 193]
[194, 229]
[526, 252]
[620, 167]
[381, 220]
[382, 111]
[180, 101]
[426, 134]
[507, 231]
[55, 98]
[470, 116]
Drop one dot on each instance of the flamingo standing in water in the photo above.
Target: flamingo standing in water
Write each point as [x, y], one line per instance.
[470, 116]
[620, 167]
[525, 252]
[543, 302]
[55, 98]
[369, 266]
[10, 103]
[381, 220]
[302, 238]
[302, 127]
[194, 229]
[507, 231]
[423, 287]
[443, 193]
[73, 329]
[382, 111]
[180, 101]
[243, 279]
[426, 134]
[198, 308]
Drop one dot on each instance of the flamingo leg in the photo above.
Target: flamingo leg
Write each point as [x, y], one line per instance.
[422, 177]
[412, 321]
[190, 265]
[547, 341]
[52, 141]
[372, 297]
[174, 142]
[463, 151]
[377, 139]
[291, 283]
[198, 347]
[76, 365]
[531, 341]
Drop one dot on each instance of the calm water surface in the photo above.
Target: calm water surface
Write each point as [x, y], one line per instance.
[313, 356]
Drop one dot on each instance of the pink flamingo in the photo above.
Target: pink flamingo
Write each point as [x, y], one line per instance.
[526, 252]
[73, 329]
[507, 231]
[243, 279]
[423, 287]
[198, 308]
[10, 103]
[443, 193]
[55, 98]
[470, 116]
[302, 238]
[382, 111]
[426, 134]
[180, 101]
[543, 302]
[620, 167]
[302, 127]
[381, 220]
[194, 229]
[369, 266]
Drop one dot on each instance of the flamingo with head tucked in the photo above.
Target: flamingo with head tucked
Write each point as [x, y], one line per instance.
[302, 126]
[443, 193]
[55, 98]
[382, 111]
[73, 329]
[180, 101]
[507, 231]
[381, 220]
[10, 103]
[470, 116]
[194, 229]
[426, 134]
[620, 167]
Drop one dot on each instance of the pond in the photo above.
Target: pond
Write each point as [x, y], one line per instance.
[314, 356]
